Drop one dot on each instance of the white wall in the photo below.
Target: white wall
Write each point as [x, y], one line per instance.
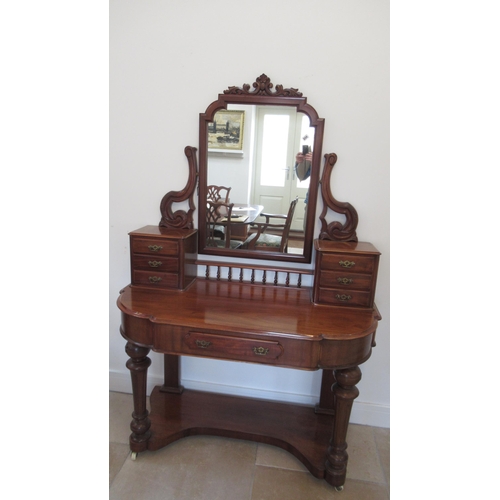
[168, 61]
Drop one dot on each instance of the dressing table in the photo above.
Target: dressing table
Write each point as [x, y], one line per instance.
[226, 308]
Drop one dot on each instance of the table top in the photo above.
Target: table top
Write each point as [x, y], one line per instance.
[248, 212]
[244, 308]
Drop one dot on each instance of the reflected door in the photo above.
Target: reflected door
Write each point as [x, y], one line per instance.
[280, 135]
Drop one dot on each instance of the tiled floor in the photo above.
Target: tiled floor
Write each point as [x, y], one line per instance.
[213, 468]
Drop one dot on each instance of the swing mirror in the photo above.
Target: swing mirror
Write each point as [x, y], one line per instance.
[266, 200]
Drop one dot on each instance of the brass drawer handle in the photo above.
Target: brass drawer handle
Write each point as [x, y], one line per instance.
[155, 248]
[260, 351]
[343, 297]
[345, 281]
[154, 279]
[154, 263]
[347, 263]
[203, 344]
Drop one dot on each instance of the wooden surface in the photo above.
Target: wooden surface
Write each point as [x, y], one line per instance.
[236, 307]
[162, 257]
[345, 273]
[310, 336]
[261, 93]
[294, 428]
[238, 321]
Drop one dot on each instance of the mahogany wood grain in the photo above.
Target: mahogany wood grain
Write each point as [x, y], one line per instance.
[312, 336]
[336, 230]
[294, 428]
[162, 257]
[345, 392]
[169, 310]
[172, 374]
[138, 365]
[238, 321]
[181, 219]
[261, 93]
[326, 397]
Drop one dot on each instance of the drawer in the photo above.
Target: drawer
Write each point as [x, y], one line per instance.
[153, 246]
[351, 262]
[158, 263]
[154, 278]
[235, 348]
[340, 279]
[344, 297]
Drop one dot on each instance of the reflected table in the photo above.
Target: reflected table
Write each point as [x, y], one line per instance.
[242, 216]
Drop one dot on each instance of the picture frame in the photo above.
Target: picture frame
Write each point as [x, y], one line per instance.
[225, 132]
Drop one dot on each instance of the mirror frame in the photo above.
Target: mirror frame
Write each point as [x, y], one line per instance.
[262, 94]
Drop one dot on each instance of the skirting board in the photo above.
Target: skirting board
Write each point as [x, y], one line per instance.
[362, 413]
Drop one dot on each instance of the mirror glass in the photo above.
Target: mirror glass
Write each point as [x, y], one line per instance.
[248, 160]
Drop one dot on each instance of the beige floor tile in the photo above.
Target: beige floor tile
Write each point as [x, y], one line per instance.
[120, 415]
[212, 468]
[121, 406]
[118, 453]
[277, 484]
[194, 468]
[364, 463]
[272, 456]
[383, 442]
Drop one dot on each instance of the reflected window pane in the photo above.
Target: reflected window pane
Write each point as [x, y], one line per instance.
[274, 150]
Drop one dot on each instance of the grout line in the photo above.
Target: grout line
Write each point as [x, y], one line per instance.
[254, 472]
[386, 482]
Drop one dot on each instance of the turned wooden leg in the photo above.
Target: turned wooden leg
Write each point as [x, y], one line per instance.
[326, 403]
[345, 392]
[138, 365]
[172, 374]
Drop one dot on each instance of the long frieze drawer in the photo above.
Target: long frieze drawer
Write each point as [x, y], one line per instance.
[343, 297]
[336, 279]
[205, 344]
[154, 278]
[350, 262]
[155, 246]
[164, 264]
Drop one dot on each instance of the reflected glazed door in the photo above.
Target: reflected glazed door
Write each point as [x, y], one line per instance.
[281, 132]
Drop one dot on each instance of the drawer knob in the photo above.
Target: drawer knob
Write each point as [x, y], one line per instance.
[203, 344]
[345, 281]
[154, 279]
[347, 263]
[154, 263]
[260, 351]
[343, 297]
[155, 248]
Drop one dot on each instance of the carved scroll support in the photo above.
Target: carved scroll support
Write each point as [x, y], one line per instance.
[181, 219]
[336, 230]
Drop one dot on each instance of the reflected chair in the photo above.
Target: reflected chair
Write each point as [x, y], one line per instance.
[263, 239]
[218, 193]
[217, 212]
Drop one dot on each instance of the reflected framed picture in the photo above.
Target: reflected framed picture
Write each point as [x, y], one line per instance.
[226, 131]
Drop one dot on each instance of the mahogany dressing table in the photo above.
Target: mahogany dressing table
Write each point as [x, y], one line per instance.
[250, 313]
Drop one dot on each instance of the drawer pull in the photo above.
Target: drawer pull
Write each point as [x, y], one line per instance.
[155, 248]
[347, 263]
[203, 344]
[154, 263]
[343, 297]
[345, 281]
[260, 351]
[154, 279]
